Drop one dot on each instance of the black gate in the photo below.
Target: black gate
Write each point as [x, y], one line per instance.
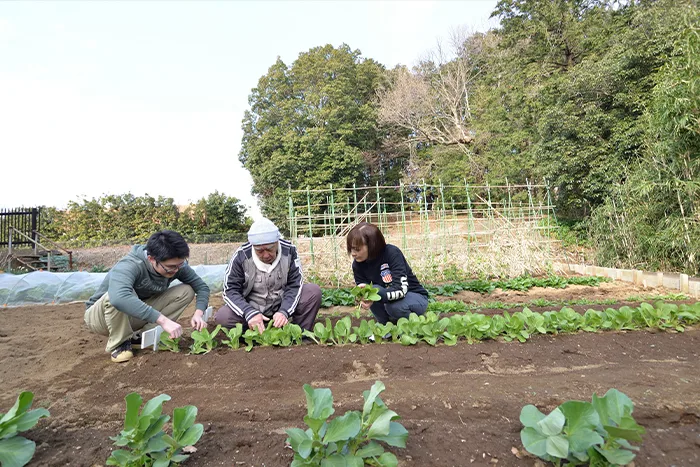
[26, 220]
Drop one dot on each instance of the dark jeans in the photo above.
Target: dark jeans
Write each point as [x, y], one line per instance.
[392, 311]
[304, 314]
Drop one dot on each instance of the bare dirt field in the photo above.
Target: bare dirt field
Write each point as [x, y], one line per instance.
[460, 404]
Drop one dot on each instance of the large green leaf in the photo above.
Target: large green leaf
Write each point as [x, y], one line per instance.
[628, 429]
[380, 427]
[343, 428]
[552, 424]
[612, 407]
[154, 407]
[530, 416]
[192, 435]
[121, 457]
[155, 426]
[616, 456]
[296, 437]
[374, 391]
[387, 460]
[372, 449]
[558, 446]
[156, 444]
[183, 418]
[319, 402]
[16, 451]
[581, 421]
[133, 404]
[342, 460]
[534, 441]
[27, 420]
[21, 405]
[396, 437]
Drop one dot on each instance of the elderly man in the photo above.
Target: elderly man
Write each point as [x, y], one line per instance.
[264, 282]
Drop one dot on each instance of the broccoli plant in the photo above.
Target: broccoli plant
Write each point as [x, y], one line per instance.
[16, 451]
[579, 432]
[364, 293]
[144, 439]
[351, 439]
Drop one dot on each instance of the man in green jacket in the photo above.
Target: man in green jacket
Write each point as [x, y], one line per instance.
[136, 294]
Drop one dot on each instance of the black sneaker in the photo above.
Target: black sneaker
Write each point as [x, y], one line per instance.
[136, 341]
[122, 353]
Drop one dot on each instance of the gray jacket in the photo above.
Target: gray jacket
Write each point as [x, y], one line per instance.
[240, 274]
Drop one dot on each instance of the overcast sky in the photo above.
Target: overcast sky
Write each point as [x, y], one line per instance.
[110, 97]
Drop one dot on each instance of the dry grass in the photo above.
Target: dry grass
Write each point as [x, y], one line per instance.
[494, 248]
[491, 249]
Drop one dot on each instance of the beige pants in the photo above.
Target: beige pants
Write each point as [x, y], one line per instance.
[104, 319]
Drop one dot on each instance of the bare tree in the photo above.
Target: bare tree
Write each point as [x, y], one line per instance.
[432, 100]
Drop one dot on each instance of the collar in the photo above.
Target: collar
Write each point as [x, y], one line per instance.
[267, 267]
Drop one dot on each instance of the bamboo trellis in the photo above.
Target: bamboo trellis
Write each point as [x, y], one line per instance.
[432, 224]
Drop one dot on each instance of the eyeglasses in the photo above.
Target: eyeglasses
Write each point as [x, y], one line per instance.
[172, 269]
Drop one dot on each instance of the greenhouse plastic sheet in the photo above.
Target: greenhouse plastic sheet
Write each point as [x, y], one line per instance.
[43, 287]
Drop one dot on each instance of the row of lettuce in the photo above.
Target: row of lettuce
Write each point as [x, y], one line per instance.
[598, 432]
[432, 328]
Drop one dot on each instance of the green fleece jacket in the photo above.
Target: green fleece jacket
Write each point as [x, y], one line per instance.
[133, 280]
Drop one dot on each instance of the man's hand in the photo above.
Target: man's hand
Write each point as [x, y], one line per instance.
[197, 322]
[257, 322]
[173, 329]
[279, 320]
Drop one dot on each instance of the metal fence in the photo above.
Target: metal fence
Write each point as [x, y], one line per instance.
[26, 220]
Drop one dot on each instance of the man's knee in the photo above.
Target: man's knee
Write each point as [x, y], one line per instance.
[187, 292]
[226, 317]
[222, 314]
[313, 292]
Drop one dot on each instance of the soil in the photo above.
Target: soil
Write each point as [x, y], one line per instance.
[460, 404]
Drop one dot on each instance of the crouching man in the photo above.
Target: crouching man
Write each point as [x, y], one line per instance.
[263, 282]
[136, 295]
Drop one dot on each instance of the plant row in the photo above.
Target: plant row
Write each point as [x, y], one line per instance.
[345, 296]
[433, 329]
[580, 432]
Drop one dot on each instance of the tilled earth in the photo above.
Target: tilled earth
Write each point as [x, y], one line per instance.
[460, 404]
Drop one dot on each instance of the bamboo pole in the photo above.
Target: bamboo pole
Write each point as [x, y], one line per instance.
[311, 231]
[403, 221]
[333, 232]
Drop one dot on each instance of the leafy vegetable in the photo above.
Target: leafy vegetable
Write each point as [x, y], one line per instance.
[16, 451]
[363, 294]
[166, 343]
[144, 439]
[583, 432]
[204, 340]
[352, 439]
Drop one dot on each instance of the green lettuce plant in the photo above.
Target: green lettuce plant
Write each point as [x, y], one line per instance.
[233, 336]
[16, 451]
[352, 439]
[597, 433]
[167, 343]
[365, 293]
[145, 442]
[204, 340]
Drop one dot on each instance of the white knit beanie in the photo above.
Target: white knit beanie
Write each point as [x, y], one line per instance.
[262, 232]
